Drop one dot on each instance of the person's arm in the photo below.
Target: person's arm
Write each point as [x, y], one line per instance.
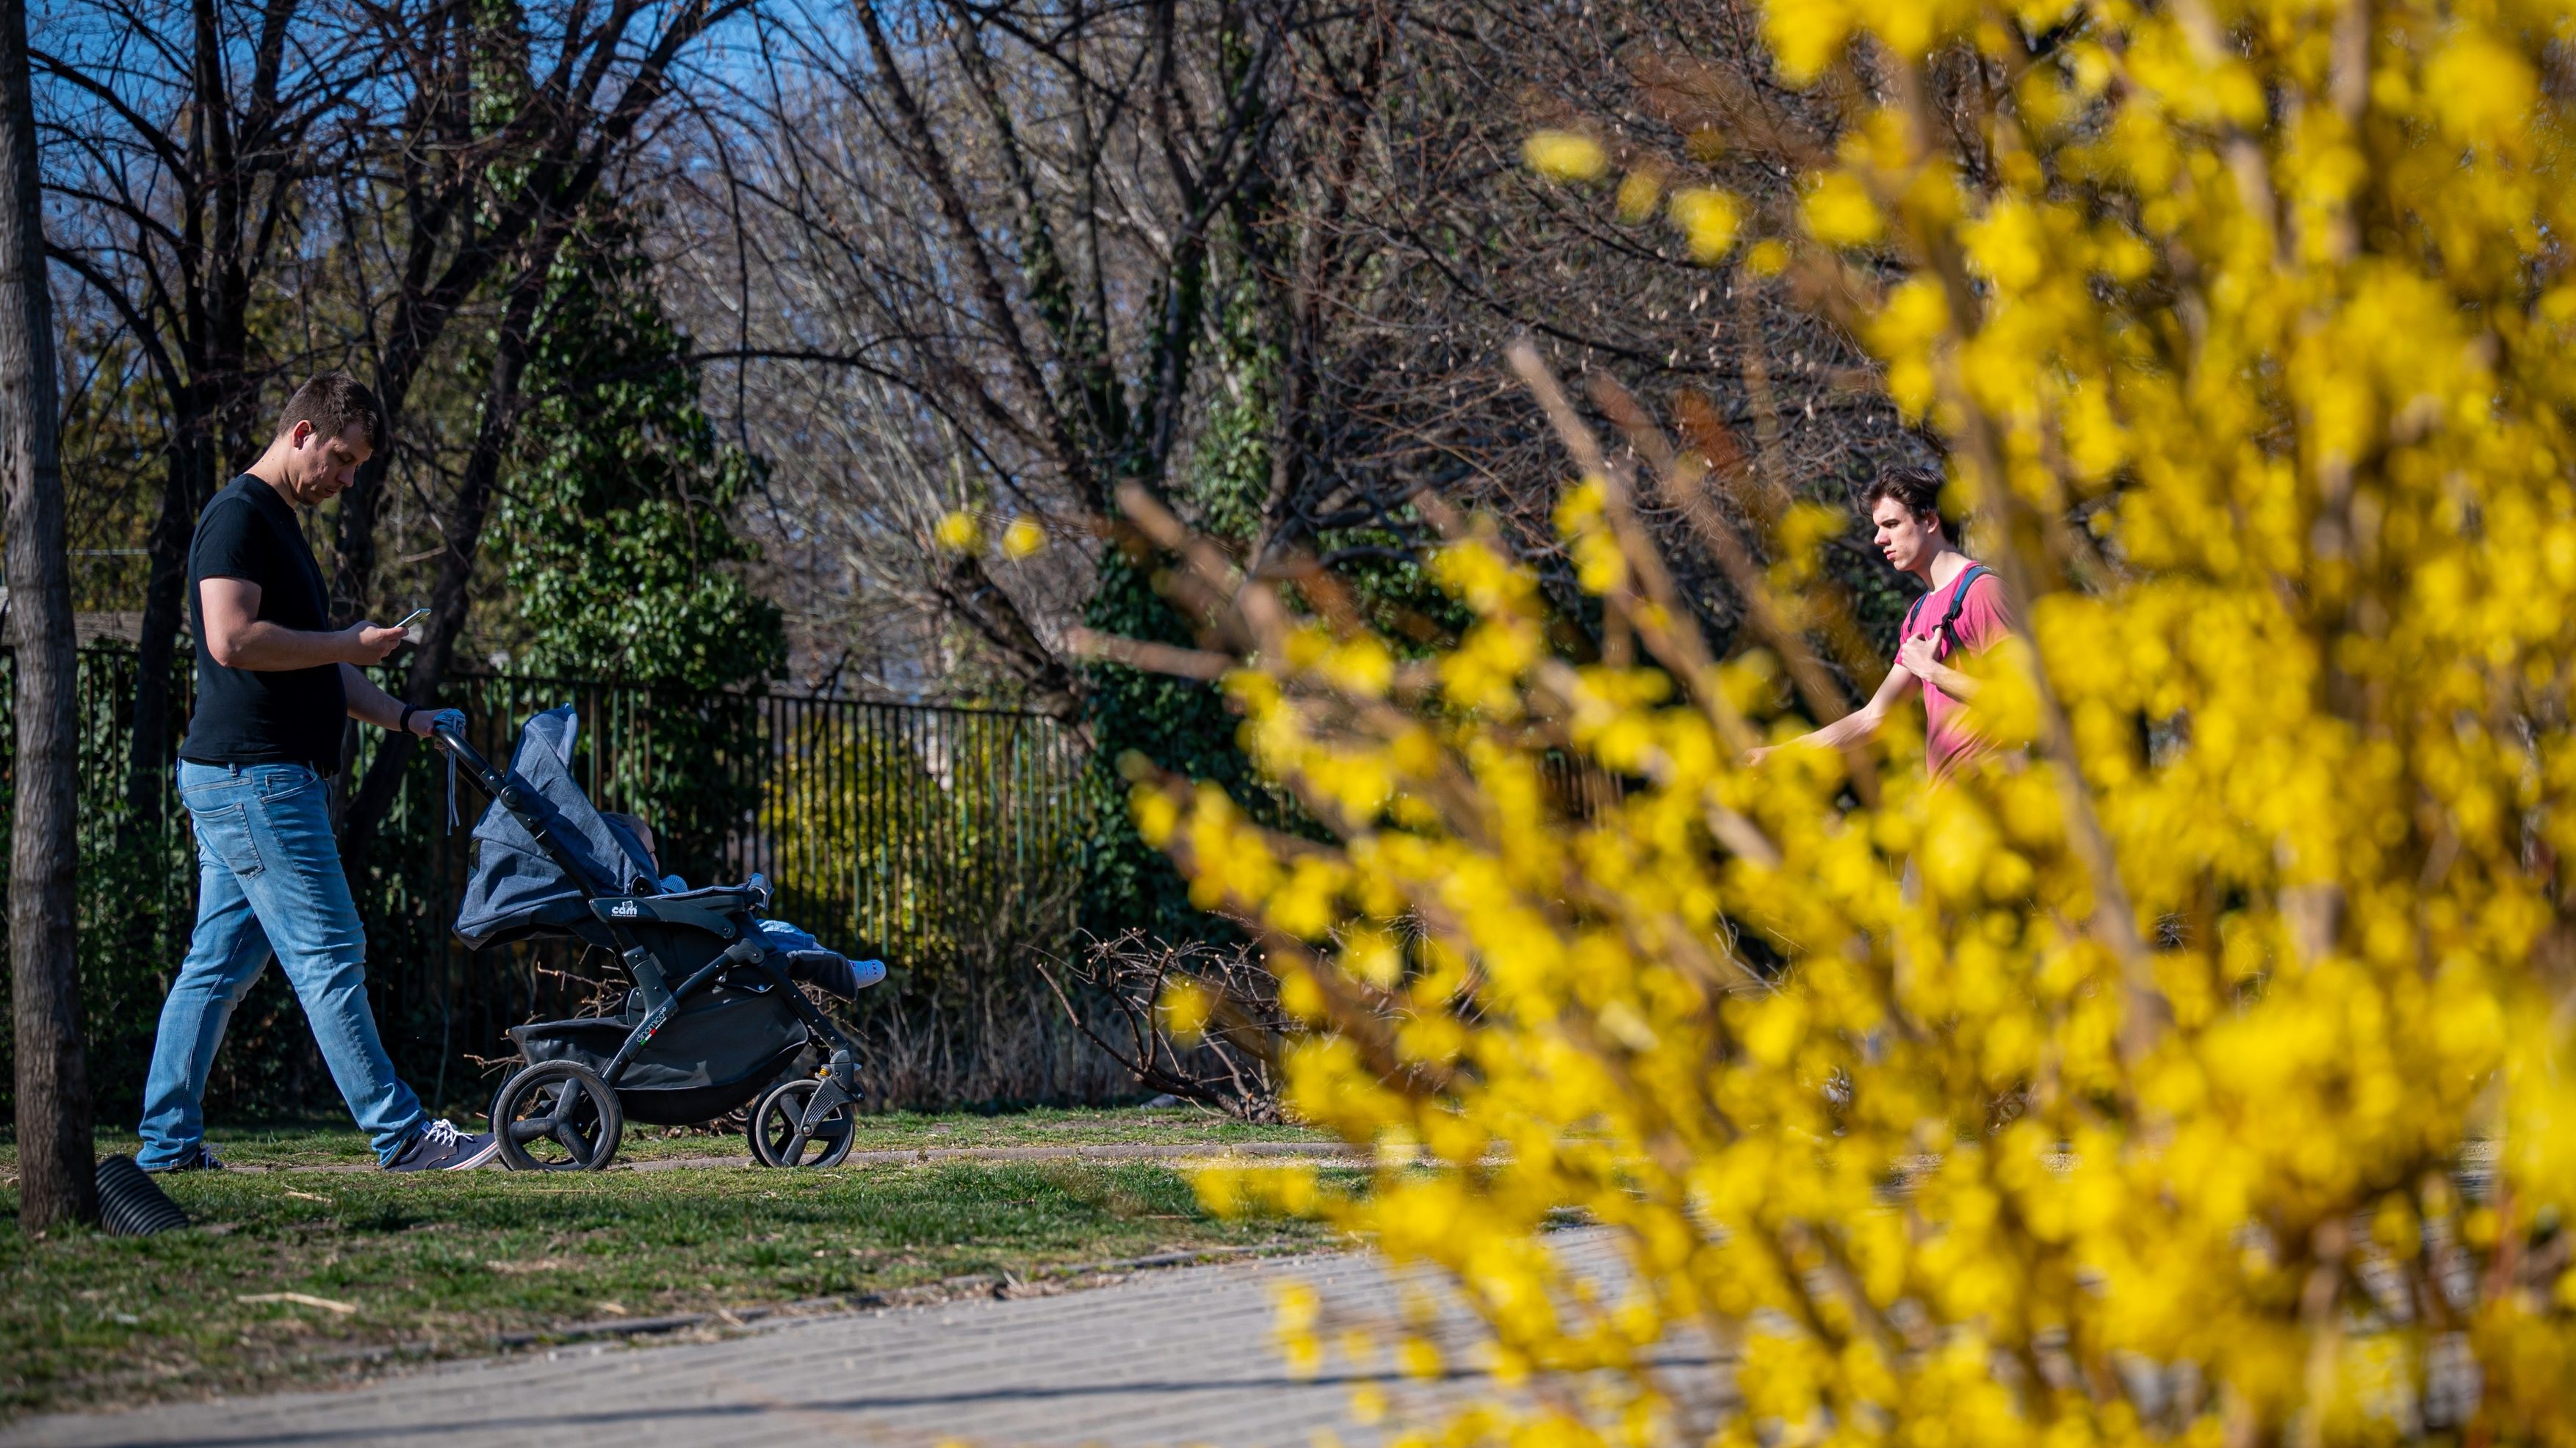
[1857, 725]
[371, 705]
[238, 638]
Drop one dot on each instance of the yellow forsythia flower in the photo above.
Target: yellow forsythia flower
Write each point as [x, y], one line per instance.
[1639, 193]
[1023, 538]
[1185, 1008]
[1707, 219]
[1565, 156]
[2481, 88]
[1805, 37]
[1839, 212]
[959, 532]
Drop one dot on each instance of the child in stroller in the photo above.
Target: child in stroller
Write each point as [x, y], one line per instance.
[826, 970]
[715, 1017]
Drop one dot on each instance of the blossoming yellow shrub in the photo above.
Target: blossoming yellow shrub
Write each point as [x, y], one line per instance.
[2212, 1082]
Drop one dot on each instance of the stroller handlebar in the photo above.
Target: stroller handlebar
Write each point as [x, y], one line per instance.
[514, 795]
[451, 737]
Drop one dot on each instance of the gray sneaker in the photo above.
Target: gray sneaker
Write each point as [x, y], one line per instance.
[200, 1157]
[439, 1146]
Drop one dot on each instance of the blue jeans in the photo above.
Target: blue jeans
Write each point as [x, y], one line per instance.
[269, 882]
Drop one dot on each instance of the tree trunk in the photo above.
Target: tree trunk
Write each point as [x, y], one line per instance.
[1053, 689]
[57, 1178]
[184, 491]
[464, 534]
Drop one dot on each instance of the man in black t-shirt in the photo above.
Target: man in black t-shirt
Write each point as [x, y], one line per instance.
[274, 682]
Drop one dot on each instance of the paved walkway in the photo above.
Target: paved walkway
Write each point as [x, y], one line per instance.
[1177, 1357]
[1320, 1151]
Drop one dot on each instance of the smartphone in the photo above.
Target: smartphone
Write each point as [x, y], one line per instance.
[413, 617]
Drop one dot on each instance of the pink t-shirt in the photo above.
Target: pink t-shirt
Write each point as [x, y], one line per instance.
[1983, 622]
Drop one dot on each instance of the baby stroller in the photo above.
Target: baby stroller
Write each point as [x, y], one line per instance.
[715, 1017]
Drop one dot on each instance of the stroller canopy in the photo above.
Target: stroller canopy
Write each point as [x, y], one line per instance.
[518, 889]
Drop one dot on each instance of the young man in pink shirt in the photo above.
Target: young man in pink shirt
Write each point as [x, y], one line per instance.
[1961, 613]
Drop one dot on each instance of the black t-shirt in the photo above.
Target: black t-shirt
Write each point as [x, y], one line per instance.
[262, 716]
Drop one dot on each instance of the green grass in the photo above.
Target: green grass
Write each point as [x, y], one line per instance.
[439, 1266]
[338, 1144]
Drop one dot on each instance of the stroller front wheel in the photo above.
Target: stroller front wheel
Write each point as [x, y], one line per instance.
[557, 1116]
[782, 1135]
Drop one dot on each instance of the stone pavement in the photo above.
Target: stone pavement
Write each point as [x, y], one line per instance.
[1184, 1152]
[1176, 1357]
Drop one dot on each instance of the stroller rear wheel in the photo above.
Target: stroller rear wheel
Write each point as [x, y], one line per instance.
[557, 1116]
[781, 1135]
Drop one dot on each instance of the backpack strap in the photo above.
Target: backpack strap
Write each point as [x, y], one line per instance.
[1958, 601]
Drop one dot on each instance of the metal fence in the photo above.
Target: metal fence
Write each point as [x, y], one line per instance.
[884, 826]
[946, 840]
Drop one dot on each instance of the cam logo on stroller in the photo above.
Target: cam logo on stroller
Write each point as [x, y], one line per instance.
[623, 910]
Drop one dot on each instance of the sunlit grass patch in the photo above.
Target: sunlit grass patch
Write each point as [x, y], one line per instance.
[440, 1266]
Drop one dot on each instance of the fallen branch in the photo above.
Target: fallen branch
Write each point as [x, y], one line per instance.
[304, 1299]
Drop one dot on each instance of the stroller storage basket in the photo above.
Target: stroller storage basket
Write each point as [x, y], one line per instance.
[711, 1057]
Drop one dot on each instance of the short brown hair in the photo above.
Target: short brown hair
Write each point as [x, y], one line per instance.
[335, 402]
[1917, 490]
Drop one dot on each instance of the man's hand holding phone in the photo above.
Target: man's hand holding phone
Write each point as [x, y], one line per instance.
[370, 643]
